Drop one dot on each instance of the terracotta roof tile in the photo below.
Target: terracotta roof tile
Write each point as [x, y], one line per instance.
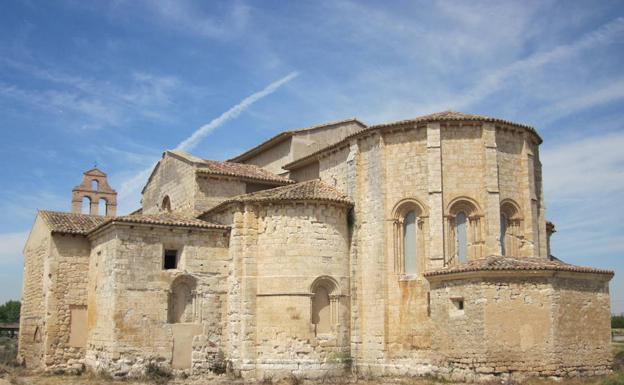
[70, 223]
[249, 171]
[168, 219]
[312, 190]
[498, 263]
[215, 167]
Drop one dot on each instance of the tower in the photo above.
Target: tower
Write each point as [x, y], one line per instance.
[95, 188]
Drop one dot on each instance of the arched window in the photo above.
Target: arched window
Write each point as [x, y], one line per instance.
[511, 229]
[182, 300]
[166, 204]
[102, 207]
[409, 243]
[503, 232]
[324, 305]
[94, 185]
[462, 237]
[463, 231]
[408, 218]
[86, 205]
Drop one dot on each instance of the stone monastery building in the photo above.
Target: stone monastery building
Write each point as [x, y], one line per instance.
[418, 247]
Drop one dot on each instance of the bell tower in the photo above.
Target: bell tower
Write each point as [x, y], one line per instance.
[94, 187]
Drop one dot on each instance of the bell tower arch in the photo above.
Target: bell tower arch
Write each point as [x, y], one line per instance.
[95, 188]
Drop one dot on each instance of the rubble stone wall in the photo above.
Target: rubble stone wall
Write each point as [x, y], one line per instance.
[33, 310]
[131, 294]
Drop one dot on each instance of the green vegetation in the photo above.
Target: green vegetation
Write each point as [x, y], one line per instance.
[617, 321]
[10, 312]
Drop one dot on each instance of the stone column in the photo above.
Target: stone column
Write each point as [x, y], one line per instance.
[492, 202]
[541, 217]
[531, 232]
[436, 204]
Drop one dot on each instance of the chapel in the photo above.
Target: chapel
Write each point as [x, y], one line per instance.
[410, 248]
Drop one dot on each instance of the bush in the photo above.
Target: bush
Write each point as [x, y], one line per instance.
[10, 312]
[156, 374]
[617, 321]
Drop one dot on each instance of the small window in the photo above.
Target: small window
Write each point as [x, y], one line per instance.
[166, 204]
[457, 306]
[171, 260]
[94, 185]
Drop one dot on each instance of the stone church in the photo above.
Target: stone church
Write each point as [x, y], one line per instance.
[417, 247]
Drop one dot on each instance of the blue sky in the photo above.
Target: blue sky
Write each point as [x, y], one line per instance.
[118, 82]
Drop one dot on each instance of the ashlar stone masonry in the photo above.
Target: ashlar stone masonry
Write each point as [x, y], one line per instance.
[418, 247]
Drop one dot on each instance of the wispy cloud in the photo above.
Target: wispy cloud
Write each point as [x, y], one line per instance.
[188, 18]
[12, 245]
[133, 184]
[494, 81]
[585, 167]
[93, 103]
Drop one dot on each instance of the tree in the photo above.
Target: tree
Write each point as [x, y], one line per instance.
[617, 321]
[10, 312]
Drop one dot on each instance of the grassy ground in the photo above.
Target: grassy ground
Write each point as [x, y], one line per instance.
[17, 376]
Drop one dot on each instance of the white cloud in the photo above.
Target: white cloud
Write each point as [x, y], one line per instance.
[584, 168]
[94, 103]
[131, 186]
[12, 246]
[186, 17]
[579, 101]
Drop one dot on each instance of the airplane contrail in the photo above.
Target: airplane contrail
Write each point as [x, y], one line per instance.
[134, 183]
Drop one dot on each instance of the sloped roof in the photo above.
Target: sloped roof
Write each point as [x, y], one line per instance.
[287, 134]
[435, 117]
[312, 190]
[168, 219]
[70, 223]
[215, 167]
[499, 263]
[249, 171]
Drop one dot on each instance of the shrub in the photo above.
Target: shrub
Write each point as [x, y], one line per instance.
[617, 321]
[156, 374]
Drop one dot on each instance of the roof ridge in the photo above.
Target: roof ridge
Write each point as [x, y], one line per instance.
[505, 263]
[295, 192]
[283, 135]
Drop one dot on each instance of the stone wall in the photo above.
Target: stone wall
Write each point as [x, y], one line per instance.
[582, 325]
[173, 178]
[494, 324]
[213, 190]
[130, 295]
[33, 311]
[67, 301]
[279, 252]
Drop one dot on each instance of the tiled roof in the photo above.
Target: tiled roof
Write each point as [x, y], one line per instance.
[70, 223]
[435, 117]
[498, 263]
[168, 219]
[240, 170]
[215, 167]
[455, 116]
[287, 134]
[312, 190]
